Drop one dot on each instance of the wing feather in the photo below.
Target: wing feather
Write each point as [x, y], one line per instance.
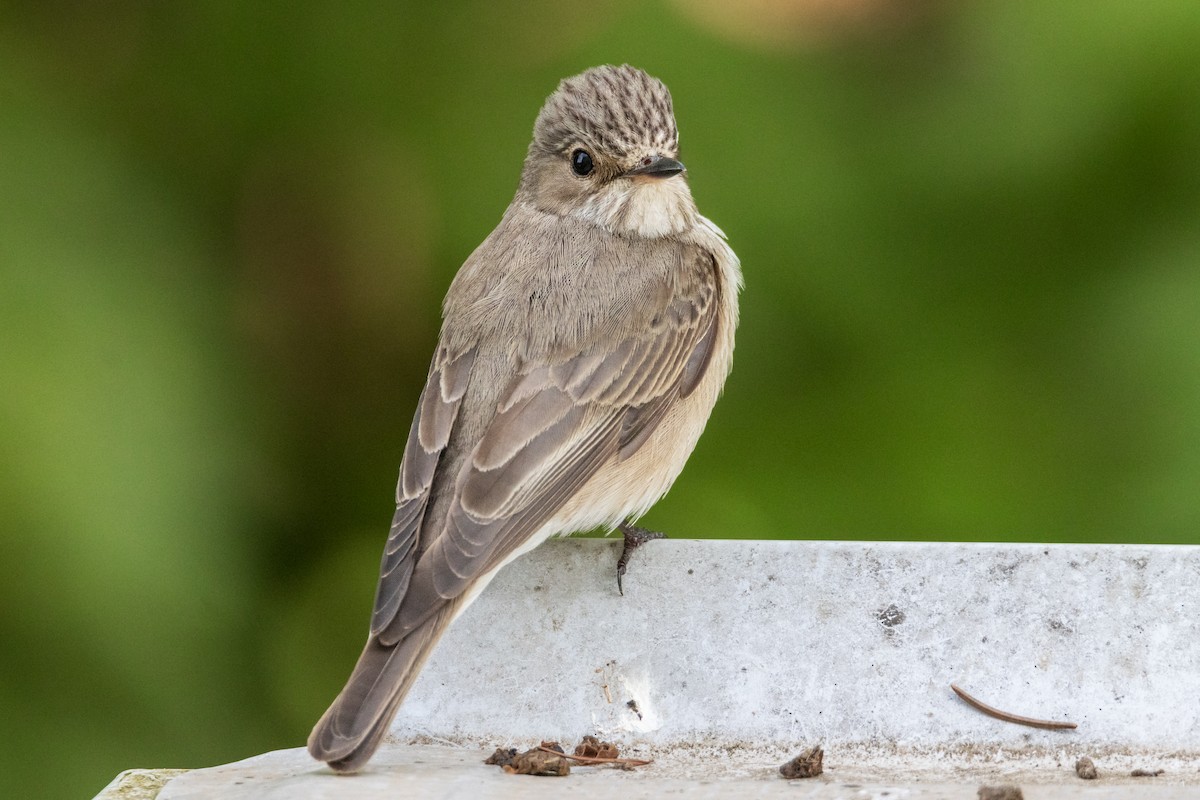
[436, 413]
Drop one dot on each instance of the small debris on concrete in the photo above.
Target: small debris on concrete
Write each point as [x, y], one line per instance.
[890, 617]
[549, 758]
[1085, 769]
[1146, 773]
[593, 752]
[591, 747]
[539, 762]
[1003, 792]
[502, 757]
[1048, 724]
[805, 765]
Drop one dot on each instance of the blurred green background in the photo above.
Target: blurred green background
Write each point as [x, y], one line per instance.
[971, 240]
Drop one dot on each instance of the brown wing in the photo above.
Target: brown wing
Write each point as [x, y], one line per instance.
[555, 427]
[436, 413]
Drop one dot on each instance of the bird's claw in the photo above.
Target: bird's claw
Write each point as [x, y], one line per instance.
[634, 538]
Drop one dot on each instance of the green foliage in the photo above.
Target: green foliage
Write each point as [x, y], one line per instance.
[971, 247]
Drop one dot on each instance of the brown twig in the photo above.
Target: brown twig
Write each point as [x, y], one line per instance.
[629, 762]
[1007, 717]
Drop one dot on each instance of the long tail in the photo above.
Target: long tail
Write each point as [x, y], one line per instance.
[350, 731]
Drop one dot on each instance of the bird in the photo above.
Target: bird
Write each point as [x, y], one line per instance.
[583, 346]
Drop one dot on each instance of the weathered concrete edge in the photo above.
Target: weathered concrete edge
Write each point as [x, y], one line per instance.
[425, 771]
[139, 784]
[771, 641]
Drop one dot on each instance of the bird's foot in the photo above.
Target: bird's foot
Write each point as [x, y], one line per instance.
[634, 538]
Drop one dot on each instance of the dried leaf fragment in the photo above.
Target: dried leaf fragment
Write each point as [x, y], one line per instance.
[1003, 792]
[539, 762]
[549, 758]
[806, 765]
[591, 747]
[502, 756]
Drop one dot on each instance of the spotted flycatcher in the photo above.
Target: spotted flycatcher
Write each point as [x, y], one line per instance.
[583, 346]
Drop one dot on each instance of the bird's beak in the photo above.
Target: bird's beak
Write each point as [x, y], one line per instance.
[657, 166]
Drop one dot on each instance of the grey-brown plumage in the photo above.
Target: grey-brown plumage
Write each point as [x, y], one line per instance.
[583, 346]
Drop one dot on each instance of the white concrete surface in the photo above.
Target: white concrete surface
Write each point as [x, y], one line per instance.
[791, 641]
[738, 652]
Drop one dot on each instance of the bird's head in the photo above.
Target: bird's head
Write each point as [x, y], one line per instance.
[605, 150]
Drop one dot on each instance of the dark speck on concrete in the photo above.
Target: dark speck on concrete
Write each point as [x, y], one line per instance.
[891, 616]
[1006, 570]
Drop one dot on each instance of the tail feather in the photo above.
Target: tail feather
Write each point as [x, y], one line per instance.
[348, 734]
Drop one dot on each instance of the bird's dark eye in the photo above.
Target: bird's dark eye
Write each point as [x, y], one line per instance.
[581, 163]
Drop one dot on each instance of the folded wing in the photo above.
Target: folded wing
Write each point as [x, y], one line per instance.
[555, 426]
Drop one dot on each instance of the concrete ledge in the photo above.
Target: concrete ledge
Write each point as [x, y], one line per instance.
[425, 771]
[737, 642]
[723, 656]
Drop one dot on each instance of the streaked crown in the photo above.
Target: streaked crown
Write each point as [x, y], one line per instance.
[621, 110]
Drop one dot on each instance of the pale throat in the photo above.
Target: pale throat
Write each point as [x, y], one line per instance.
[647, 207]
